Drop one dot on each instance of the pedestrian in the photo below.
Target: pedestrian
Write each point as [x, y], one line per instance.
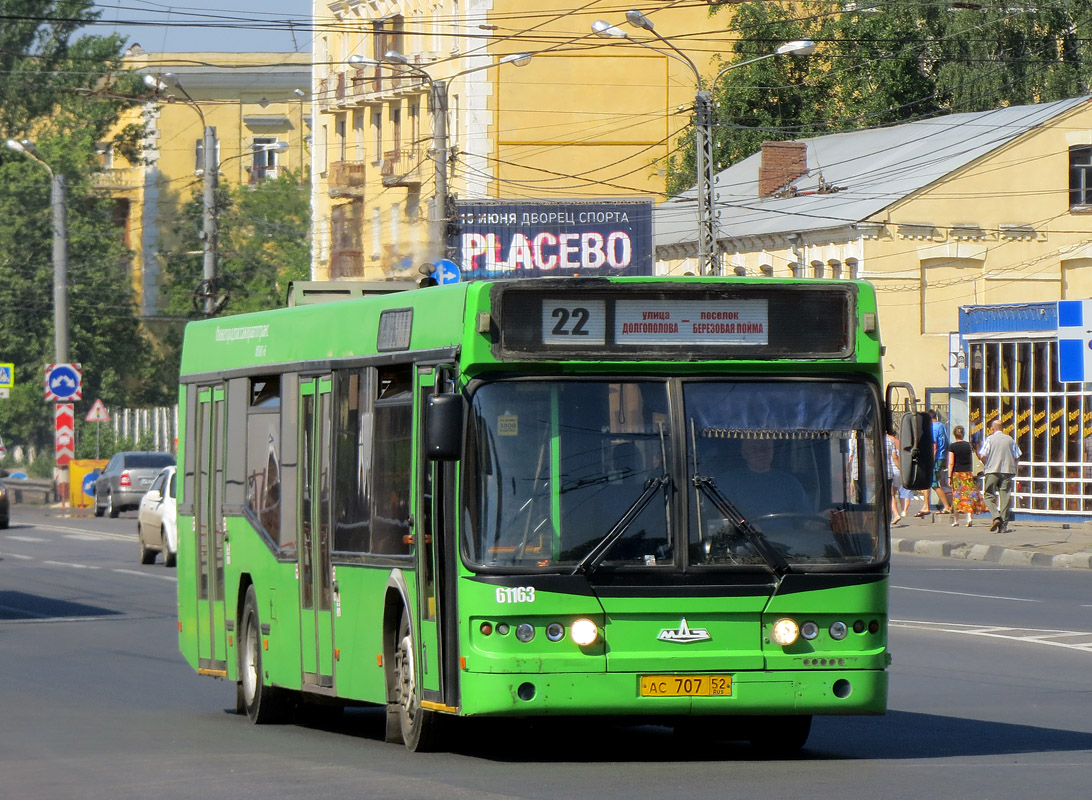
[966, 499]
[894, 472]
[940, 467]
[999, 455]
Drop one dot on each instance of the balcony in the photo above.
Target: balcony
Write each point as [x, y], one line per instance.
[260, 173]
[346, 179]
[346, 264]
[402, 168]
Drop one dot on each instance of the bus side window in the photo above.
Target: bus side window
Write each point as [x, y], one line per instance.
[391, 460]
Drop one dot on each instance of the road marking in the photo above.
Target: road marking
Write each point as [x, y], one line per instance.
[95, 534]
[19, 556]
[968, 594]
[1025, 635]
[26, 538]
[68, 564]
[146, 574]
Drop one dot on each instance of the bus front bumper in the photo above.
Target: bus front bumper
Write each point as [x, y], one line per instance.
[619, 694]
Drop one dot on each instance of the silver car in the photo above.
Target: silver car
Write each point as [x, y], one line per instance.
[125, 480]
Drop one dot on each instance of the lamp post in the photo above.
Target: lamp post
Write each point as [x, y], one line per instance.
[210, 233]
[440, 212]
[58, 204]
[708, 257]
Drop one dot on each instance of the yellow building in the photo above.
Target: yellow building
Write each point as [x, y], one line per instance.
[259, 104]
[962, 210]
[586, 117]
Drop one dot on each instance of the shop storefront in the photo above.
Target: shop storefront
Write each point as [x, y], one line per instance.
[1008, 365]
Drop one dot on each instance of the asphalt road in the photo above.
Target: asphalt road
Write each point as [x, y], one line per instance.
[989, 699]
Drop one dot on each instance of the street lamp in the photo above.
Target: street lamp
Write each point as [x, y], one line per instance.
[708, 258]
[208, 203]
[440, 212]
[59, 204]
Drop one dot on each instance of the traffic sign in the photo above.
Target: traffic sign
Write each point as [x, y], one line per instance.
[64, 438]
[63, 382]
[7, 376]
[98, 413]
[1074, 340]
[447, 271]
[88, 483]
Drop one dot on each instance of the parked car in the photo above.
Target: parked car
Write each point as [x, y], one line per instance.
[157, 531]
[125, 480]
[5, 506]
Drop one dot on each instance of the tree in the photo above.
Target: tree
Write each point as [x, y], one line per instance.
[264, 244]
[880, 63]
[51, 91]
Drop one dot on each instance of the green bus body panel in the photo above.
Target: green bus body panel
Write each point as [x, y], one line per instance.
[602, 678]
[596, 693]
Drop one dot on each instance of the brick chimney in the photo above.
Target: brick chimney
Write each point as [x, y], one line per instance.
[782, 163]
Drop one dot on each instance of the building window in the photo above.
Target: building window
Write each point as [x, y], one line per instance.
[818, 269]
[852, 271]
[835, 269]
[1080, 176]
[766, 270]
[377, 135]
[264, 159]
[105, 152]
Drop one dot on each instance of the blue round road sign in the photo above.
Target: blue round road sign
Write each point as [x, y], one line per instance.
[64, 381]
[89, 483]
[447, 271]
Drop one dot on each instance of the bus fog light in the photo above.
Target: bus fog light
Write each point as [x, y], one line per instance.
[842, 688]
[525, 631]
[785, 631]
[555, 632]
[809, 630]
[584, 632]
[838, 631]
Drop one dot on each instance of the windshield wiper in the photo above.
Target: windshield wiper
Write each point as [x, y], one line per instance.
[730, 511]
[596, 555]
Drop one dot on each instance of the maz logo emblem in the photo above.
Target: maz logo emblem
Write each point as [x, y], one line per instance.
[684, 634]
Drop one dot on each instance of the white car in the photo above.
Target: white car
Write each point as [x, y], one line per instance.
[157, 527]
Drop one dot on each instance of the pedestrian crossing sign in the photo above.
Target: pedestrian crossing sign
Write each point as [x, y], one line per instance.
[7, 376]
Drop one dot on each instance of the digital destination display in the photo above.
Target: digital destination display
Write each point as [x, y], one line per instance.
[700, 321]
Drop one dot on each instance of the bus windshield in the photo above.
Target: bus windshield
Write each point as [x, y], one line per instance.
[574, 475]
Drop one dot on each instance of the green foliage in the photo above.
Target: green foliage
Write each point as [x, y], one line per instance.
[52, 91]
[264, 244]
[880, 63]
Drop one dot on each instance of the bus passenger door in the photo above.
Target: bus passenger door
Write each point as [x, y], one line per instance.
[209, 531]
[316, 619]
[433, 540]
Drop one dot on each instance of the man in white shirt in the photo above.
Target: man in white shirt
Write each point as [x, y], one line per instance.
[999, 453]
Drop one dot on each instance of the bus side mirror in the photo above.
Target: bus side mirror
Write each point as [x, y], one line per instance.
[916, 450]
[444, 427]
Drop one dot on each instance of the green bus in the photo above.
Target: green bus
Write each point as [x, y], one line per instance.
[629, 497]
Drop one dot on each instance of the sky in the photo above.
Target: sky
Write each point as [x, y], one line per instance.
[205, 25]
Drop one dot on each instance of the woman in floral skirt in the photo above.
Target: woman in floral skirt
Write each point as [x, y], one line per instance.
[966, 499]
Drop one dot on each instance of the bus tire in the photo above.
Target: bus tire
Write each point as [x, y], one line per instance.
[780, 737]
[263, 704]
[418, 726]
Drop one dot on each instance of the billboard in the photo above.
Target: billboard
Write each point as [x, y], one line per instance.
[540, 238]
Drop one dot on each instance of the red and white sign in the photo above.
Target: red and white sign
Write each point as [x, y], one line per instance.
[65, 437]
[98, 413]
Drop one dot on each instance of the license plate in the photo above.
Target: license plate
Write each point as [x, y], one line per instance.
[145, 481]
[686, 686]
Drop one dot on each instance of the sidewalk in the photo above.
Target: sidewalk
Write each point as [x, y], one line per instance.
[1066, 545]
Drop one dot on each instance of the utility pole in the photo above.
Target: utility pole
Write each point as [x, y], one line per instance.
[440, 205]
[59, 201]
[210, 232]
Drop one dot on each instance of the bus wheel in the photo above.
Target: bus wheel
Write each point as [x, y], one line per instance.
[263, 703]
[780, 737]
[418, 724]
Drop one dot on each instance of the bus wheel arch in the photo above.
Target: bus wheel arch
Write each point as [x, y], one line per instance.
[407, 722]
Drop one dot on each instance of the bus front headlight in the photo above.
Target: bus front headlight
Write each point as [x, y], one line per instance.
[785, 631]
[584, 632]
